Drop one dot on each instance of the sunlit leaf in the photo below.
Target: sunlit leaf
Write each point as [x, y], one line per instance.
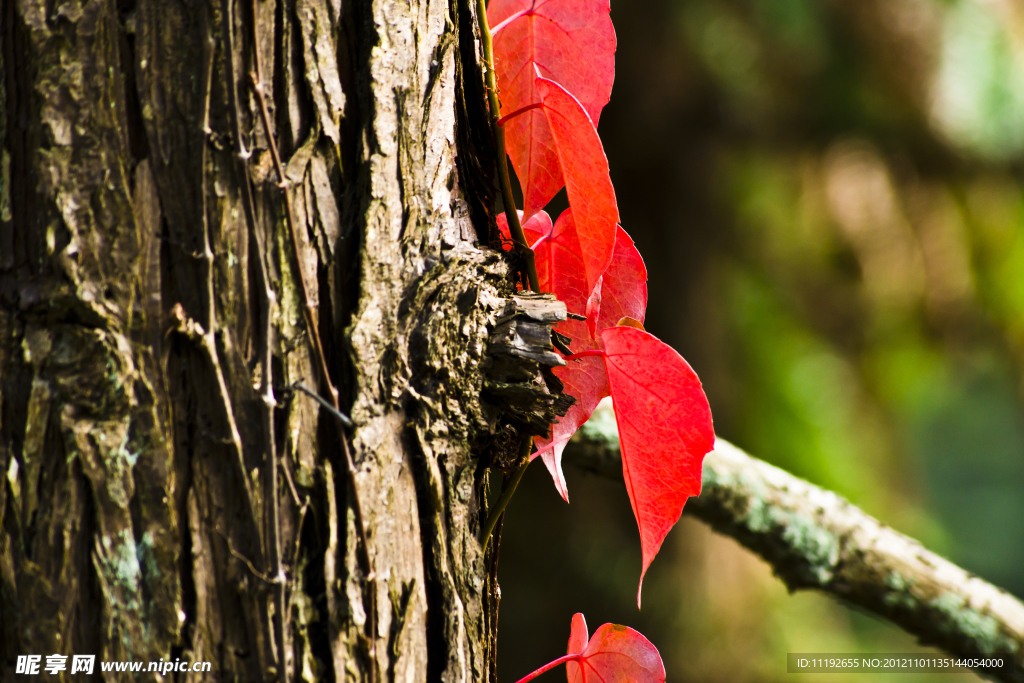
[665, 430]
[571, 42]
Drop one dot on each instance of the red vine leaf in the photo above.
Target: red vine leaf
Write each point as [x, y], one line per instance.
[556, 250]
[587, 381]
[624, 288]
[536, 227]
[623, 292]
[578, 637]
[665, 430]
[616, 654]
[560, 271]
[587, 182]
[571, 42]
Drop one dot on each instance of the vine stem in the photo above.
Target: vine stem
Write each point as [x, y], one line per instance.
[511, 215]
[518, 112]
[564, 659]
[507, 491]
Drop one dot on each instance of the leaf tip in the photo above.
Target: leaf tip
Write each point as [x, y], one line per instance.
[553, 461]
[578, 634]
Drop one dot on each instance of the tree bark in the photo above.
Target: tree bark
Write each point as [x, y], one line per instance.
[159, 469]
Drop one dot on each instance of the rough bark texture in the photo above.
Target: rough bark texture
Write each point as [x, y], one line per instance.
[815, 539]
[145, 272]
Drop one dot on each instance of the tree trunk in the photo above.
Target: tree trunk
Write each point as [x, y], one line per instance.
[166, 492]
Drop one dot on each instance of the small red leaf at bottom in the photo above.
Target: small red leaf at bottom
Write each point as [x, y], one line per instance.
[665, 430]
[616, 654]
[578, 638]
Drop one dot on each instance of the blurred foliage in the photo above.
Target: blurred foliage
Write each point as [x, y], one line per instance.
[828, 195]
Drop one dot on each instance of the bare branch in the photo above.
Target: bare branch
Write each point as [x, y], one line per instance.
[815, 539]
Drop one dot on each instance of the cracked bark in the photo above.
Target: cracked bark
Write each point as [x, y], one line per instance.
[148, 284]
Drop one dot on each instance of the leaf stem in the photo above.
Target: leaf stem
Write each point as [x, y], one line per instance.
[506, 493]
[514, 226]
[586, 354]
[549, 666]
[522, 110]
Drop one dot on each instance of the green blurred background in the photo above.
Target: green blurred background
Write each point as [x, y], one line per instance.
[828, 196]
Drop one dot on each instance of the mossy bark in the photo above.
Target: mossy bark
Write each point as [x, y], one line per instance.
[138, 198]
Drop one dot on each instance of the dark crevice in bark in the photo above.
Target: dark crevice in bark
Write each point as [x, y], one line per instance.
[494, 604]
[476, 155]
[354, 176]
[10, 624]
[89, 609]
[492, 591]
[15, 251]
[347, 276]
[184, 434]
[138, 144]
[288, 70]
[334, 342]
[436, 590]
[188, 586]
[15, 386]
[316, 536]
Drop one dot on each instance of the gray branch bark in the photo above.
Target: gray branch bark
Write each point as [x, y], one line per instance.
[814, 539]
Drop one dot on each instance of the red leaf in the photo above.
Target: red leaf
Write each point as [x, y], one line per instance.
[578, 638]
[616, 654]
[625, 294]
[556, 250]
[665, 430]
[587, 381]
[538, 226]
[587, 182]
[561, 272]
[569, 41]
[623, 286]
[623, 291]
